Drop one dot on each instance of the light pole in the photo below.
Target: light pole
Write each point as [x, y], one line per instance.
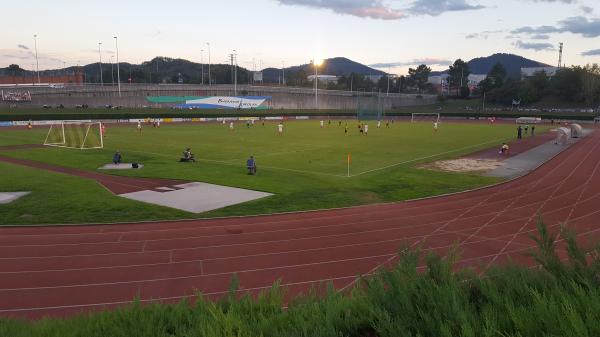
[37, 64]
[235, 72]
[316, 64]
[388, 80]
[118, 72]
[202, 64]
[100, 57]
[209, 79]
[112, 75]
[283, 72]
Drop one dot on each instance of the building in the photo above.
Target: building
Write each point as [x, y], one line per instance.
[441, 86]
[528, 72]
[324, 78]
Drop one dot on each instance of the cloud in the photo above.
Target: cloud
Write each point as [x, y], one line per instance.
[576, 25]
[563, 1]
[483, 35]
[427, 61]
[533, 45]
[593, 52]
[378, 9]
[22, 46]
[541, 37]
[437, 7]
[586, 9]
[374, 9]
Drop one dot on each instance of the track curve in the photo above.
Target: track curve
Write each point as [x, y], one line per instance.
[65, 270]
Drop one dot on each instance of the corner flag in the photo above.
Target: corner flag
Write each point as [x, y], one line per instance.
[349, 160]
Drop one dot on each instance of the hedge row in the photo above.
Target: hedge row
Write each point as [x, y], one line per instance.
[66, 114]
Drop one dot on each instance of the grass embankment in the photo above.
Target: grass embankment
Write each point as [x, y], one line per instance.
[560, 299]
[306, 168]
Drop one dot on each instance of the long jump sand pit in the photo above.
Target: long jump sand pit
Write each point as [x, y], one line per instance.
[469, 165]
[196, 197]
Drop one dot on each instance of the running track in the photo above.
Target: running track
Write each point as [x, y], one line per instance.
[65, 270]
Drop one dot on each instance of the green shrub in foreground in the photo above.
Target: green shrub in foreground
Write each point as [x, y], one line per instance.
[562, 298]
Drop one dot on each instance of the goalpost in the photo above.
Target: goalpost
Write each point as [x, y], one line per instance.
[424, 117]
[75, 135]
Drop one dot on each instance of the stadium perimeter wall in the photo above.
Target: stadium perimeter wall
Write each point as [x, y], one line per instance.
[134, 96]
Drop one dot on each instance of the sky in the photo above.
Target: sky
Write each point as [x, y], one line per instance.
[391, 35]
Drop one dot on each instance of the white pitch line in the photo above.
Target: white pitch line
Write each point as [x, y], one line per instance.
[245, 289]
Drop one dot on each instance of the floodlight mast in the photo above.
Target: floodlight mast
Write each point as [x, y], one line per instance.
[118, 72]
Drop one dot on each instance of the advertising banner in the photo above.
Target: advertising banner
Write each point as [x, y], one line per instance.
[225, 102]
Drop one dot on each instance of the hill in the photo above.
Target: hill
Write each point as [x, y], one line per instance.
[512, 63]
[333, 66]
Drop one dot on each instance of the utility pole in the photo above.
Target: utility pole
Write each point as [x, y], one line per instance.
[283, 72]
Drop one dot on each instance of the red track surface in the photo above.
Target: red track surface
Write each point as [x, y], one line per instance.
[64, 270]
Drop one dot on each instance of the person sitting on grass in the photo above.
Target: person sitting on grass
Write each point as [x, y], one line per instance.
[251, 165]
[188, 156]
[117, 158]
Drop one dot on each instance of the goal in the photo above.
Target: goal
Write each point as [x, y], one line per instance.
[425, 117]
[75, 135]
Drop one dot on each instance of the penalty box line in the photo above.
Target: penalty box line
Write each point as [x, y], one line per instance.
[428, 157]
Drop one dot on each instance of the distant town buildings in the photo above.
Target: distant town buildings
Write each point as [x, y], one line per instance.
[441, 86]
[528, 72]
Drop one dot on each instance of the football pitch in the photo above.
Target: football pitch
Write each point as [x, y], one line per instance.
[306, 167]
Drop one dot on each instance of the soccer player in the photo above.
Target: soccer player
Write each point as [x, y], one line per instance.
[435, 126]
[322, 122]
[29, 125]
[378, 124]
[231, 126]
[280, 128]
[158, 123]
[346, 129]
[102, 130]
[366, 129]
[387, 124]
[139, 126]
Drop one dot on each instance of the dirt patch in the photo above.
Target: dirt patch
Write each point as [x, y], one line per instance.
[470, 165]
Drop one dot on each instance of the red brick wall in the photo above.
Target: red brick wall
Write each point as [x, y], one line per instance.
[76, 78]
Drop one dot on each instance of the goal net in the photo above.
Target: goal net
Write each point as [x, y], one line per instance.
[425, 117]
[75, 135]
[369, 106]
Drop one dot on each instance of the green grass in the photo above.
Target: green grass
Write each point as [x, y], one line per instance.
[306, 168]
[560, 299]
